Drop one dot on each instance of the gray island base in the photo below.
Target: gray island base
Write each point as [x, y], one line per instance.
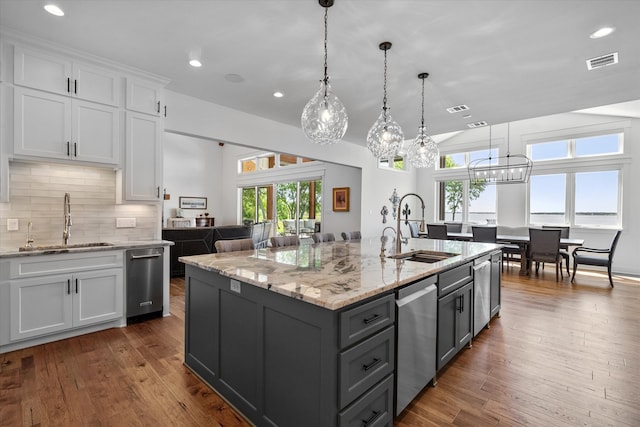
[307, 335]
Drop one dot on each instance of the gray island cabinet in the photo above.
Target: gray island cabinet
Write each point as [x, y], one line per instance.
[305, 335]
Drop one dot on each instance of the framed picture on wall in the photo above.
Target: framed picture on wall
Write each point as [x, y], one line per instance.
[193, 203]
[341, 199]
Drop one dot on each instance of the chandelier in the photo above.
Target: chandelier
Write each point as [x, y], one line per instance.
[509, 169]
[385, 136]
[324, 118]
[423, 151]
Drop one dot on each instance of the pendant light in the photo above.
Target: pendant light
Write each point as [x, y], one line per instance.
[324, 118]
[509, 169]
[385, 136]
[423, 151]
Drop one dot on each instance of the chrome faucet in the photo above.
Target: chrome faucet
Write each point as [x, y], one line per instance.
[383, 240]
[66, 232]
[28, 244]
[406, 212]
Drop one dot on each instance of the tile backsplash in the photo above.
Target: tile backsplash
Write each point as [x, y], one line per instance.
[37, 195]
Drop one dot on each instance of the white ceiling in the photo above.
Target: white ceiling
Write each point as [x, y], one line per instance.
[506, 59]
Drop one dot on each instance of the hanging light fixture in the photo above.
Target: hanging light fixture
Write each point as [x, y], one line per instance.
[423, 151]
[385, 136]
[324, 118]
[509, 169]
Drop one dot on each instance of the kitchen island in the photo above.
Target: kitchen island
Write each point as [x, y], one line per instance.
[307, 335]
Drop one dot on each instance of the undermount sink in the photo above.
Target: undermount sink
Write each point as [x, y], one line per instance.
[423, 256]
[63, 247]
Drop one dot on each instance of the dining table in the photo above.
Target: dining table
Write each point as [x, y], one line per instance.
[521, 240]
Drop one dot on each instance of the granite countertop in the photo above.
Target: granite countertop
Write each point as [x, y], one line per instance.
[335, 274]
[81, 247]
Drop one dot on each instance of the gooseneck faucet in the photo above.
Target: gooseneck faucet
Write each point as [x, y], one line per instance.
[66, 232]
[406, 212]
[383, 240]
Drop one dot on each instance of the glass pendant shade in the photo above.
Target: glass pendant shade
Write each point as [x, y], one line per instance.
[324, 118]
[423, 151]
[385, 137]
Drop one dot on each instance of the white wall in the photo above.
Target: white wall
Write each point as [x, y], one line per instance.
[512, 199]
[192, 168]
[192, 116]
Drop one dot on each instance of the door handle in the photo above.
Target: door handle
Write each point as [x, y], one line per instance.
[158, 107]
[68, 85]
[75, 86]
[76, 286]
[68, 286]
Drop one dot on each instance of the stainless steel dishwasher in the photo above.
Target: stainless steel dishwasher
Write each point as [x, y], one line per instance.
[481, 294]
[144, 268]
[417, 324]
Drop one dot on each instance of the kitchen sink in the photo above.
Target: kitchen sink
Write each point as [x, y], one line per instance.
[423, 256]
[64, 247]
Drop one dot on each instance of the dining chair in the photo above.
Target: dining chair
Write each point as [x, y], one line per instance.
[564, 234]
[484, 234]
[437, 231]
[544, 246]
[351, 235]
[323, 237]
[454, 227]
[234, 245]
[596, 257]
[281, 241]
[413, 229]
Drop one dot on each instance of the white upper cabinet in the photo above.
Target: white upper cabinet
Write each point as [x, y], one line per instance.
[58, 127]
[44, 71]
[143, 158]
[145, 97]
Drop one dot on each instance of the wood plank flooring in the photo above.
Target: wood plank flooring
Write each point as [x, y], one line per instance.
[560, 354]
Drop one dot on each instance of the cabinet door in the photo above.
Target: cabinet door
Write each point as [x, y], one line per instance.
[447, 342]
[42, 124]
[143, 158]
[464, 319]
[96, 84]
[40, 70]
[40, 306]
[144, 97]
[96, 131]
[98, 296]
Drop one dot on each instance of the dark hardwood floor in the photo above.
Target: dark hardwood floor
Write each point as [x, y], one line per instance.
[560, 354]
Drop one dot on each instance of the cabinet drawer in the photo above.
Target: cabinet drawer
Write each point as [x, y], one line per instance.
[373, 409]
[40, 265]
[455, 278]
[364, 365]
[366, 319]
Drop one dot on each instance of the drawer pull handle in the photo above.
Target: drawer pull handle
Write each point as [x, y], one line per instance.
[371, 319]
[371, 419]
[371, 365]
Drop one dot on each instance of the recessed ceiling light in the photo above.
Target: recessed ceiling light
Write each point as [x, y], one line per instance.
[195, 63]
[53, 9]
[602, 32]
[278, 94]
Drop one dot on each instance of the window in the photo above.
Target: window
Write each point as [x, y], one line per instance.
[597, 145]
[460, 201]
[462, 160]
[547, 199]
[267, 161]
[597, 198]
[257, 204]
[396, 163]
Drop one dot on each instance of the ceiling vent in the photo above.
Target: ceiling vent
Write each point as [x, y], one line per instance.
[602, 61]
[477, 124]
[457, 108]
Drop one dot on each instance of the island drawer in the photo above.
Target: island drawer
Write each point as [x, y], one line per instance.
[364, 365]
[366, 319]
[373, 409]
[454, 279]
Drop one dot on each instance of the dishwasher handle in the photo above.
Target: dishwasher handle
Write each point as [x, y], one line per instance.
[482, 265]
[146, 256]
[412, 297]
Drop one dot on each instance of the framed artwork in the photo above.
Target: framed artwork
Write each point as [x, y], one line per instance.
[193, 203]
[341, 199]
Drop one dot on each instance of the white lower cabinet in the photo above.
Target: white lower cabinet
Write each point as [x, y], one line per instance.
[54, 293]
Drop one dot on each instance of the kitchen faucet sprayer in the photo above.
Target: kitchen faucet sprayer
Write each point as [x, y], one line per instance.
[66, 232]
[406, 221]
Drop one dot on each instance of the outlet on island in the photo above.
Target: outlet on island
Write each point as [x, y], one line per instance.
[125, 222]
